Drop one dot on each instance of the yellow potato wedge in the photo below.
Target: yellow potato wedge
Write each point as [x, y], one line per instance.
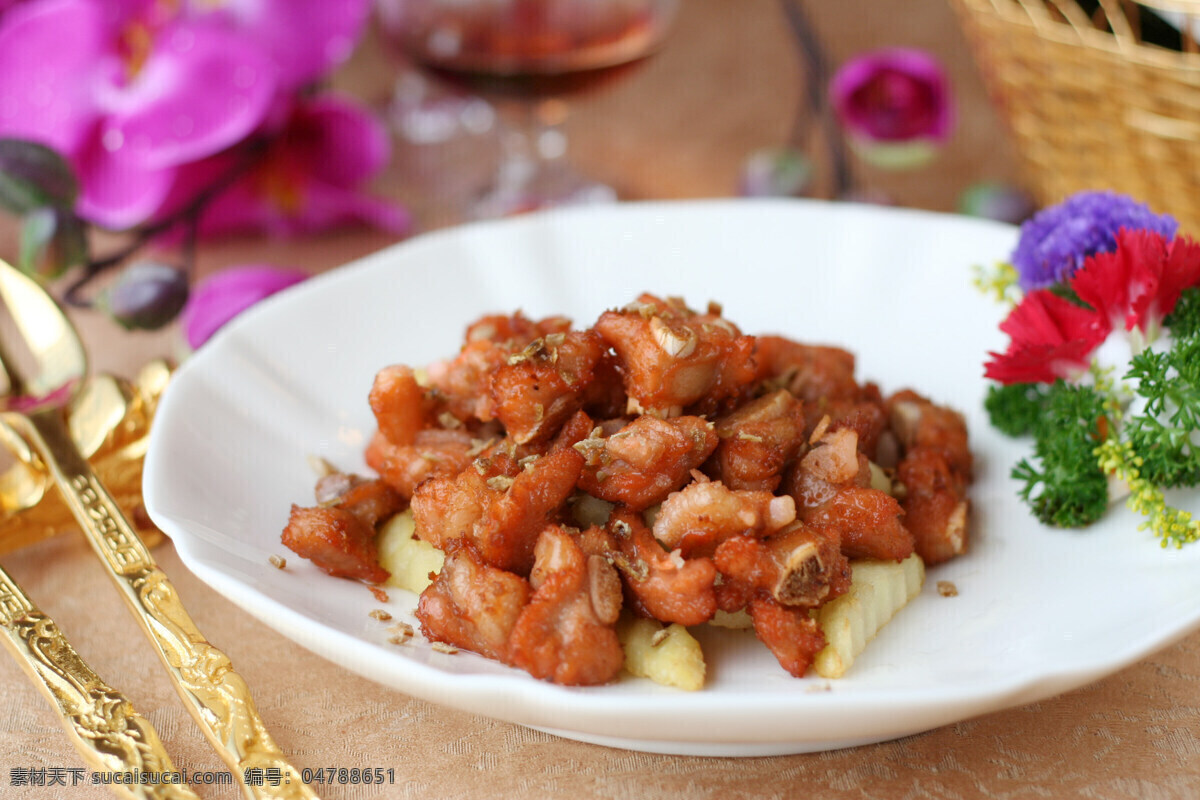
[667, 655]
[408, 559]
[878, 590]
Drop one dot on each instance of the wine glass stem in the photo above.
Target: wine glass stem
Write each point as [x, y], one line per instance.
[534, 144]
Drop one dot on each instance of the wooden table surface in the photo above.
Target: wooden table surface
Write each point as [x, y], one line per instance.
[726, 83]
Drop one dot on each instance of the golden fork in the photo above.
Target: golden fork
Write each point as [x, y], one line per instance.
[99, 720]
[215, 694]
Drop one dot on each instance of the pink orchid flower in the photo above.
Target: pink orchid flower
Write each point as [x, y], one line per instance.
[304, 38]
[895, 106]
[309, 178]
[127, 93]
[220, 297]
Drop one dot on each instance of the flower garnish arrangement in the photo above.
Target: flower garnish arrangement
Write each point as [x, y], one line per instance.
[1102, 368]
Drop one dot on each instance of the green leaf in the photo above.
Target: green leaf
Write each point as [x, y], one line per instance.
[33, 176]
[52, 241]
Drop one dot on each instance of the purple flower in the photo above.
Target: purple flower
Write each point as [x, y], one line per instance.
[1056, 241]
[221, 297]
[894, 104]
[310, 177]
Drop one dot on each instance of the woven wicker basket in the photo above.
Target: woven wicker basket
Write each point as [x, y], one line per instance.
[1090, 105]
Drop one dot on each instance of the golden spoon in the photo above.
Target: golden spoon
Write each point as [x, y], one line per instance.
[215, 694]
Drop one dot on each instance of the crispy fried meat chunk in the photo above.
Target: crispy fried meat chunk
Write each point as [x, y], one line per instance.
[800, 566]
[757, 441]
[831, 487]
[703, 514]
[917, 422]
[400, 405]
[646, 460]
[815, 374]
[433, 451]
[868, 521]
[662, 585]
[498, 505]
[789, 633]
[538, 388]
[472, 605]
[339, 535]
[935, 505]
[672, 357]
[464, 382]
[565, 634]
[336, 541]
[934, 472]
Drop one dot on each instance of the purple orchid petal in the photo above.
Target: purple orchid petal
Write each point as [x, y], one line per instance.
[327, 206]
[894, 95]
[200, 91]
[304, 37]
[221, 297]
[115, 192]
[309, 179]
[48, 51]
[346, 143]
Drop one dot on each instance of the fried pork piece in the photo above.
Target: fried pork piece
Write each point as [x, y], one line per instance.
[671, 357]
[339, 536]
[935, 505]
[917, 422]
[815, 374]
[792, 636]
[935, 470]
[537, 389]
[336, 541]
[703, 514]
[822, 378]
[868, 521]
[565, 634]
[369, 499]
[472, 605]
[866, 417]
[800, 566]
[464, 381]
[646, 460]
[757, 441]
[433, 451]
[831, 487]
[400, 404]
[662, 585]
[498, 505]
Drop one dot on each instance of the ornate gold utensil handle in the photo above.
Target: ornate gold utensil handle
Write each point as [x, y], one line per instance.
[101, 722]
[215, 694]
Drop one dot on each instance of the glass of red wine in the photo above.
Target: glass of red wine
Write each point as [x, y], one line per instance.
[526, 56]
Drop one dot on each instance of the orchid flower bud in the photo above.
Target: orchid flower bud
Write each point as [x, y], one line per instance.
[997, 201]
[147, 296]
[221, 297]
[895, 106]
[776, 172]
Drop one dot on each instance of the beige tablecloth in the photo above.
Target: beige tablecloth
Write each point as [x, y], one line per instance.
[726, 83]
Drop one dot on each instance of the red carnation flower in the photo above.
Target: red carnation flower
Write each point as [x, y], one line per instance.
[1050, 338]
[1138, 284]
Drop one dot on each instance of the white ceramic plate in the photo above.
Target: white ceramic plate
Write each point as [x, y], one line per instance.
[1038, 612]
